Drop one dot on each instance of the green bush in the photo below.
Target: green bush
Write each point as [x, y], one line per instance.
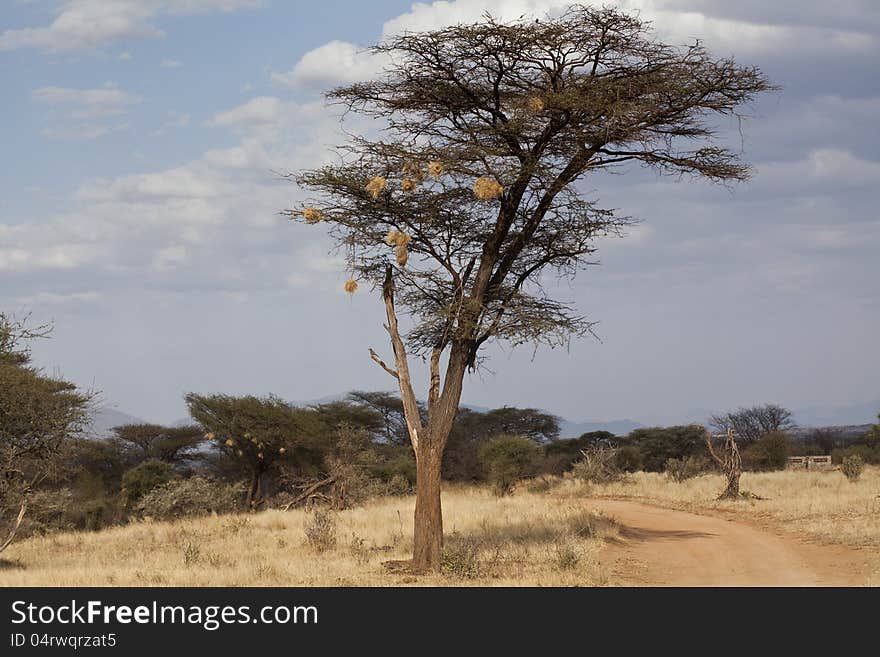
[852, 466]
[402, 464]
[628, 459]
[143, 478]
[195, 496]
[770, 452]
[680, 470]
[508, 459]
[864, 452]
[598, 465]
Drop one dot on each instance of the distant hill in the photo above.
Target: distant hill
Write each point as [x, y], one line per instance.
[855, 414]
[569, 429]
[848, 432]
[104, 419]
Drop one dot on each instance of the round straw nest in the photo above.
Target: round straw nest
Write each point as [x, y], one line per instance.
[487, 189]
[350, 286]
[536, 104]
[397, 238]
[376, 186]
[312, 215]
[408, 185]
[435, 169]
[401, 254]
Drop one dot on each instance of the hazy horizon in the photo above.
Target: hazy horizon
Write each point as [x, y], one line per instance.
[138, 212]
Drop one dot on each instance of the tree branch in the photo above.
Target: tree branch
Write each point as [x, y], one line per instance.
[382, 364]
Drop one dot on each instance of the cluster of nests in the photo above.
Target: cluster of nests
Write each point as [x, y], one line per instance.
[485, 189]
[230, 442]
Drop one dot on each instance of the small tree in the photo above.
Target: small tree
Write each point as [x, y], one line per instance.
[37, 414]
[508, 459]
[172, 445]
[467, 201]
[256, 433]
[751, 423]
[730, 463]
[769, 452]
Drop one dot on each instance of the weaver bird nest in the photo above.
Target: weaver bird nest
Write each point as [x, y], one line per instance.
[376, 186]
[487, 189]
[312, 216]
[435, 169]
[350, 286]
[535, 104]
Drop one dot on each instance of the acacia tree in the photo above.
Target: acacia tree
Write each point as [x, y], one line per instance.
[257, 434]
[173, 445]
[465, 203]
[37, 414]
[751, 423]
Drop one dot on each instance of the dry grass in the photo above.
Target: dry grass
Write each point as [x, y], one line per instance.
[822, 505]
[526, 539]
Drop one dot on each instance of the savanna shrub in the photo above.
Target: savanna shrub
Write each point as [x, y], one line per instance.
[143, 478]
[852, 466]
[598, 466]
[628, 458]
[320, 529]
[508, 459]
[460, 558]
[680, 470]
[399, 485]
[195, 496]
[770, 452]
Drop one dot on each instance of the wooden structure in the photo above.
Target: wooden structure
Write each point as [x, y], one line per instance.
[809, 463]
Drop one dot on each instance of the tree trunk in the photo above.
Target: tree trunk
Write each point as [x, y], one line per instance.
[254, 490]
[428, 521]
[732, 490]
[15, 525]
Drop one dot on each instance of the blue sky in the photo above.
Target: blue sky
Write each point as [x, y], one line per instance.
[138, 212]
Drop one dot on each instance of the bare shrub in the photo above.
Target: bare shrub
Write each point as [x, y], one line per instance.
[182, 498]
[682, 469]
[460, 558]
[320, 529]
[565, 554]
[359, 550]
[852, 466]
[598, 466]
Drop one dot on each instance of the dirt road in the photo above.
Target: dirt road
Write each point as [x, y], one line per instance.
[663, 547]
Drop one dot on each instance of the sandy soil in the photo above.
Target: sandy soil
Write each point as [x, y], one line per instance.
[663, 547]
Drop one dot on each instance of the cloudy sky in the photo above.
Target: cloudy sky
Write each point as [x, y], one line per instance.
[138, 211]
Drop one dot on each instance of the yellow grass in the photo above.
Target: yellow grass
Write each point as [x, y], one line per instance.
[527, 539]
[822, 505]
[521, 540]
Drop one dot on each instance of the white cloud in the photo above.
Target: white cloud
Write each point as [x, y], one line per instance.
[56, 299]
[107, 96]
[823, 167]
[183, 182]
[170, 63]
[340, 62]
[263, 109]
[175, 120]
[170, 257]
[84, 132]
[94, 24]
[336, 62]
[85, 109]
